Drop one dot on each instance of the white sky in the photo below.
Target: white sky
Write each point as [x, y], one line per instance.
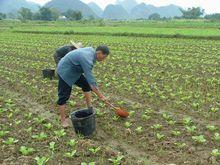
[210, 6]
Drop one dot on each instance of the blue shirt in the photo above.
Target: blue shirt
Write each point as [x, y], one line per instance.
[76, 63]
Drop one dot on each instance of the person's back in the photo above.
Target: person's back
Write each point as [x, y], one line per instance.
[62, 52]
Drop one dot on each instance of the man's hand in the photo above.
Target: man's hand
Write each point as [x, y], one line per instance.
[100, 95]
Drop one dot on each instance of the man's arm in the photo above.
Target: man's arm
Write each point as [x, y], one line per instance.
[87, 68]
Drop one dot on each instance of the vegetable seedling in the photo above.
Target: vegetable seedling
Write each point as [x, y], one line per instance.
[3, 133]
[10, 141]
[60, 133]
[215, 152]
[94, 150]
[70, 154]
[26, 151]
[157, 126]
[41, 160]
[72, 142]
[187, 120]
[145, 117]
[199, 139]
[38, 120]
[117, 160]
[40, 136]
[139, 129]
[217, 136]
[91, 163]
[160, 136]
[52, 146]
[191, 129]
[176, 133]
[211, 127]
[180, 145]
[128, 124]
[48, 126]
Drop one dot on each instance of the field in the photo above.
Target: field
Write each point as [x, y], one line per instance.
[170, 86]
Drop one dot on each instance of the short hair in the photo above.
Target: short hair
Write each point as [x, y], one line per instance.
[104, 49]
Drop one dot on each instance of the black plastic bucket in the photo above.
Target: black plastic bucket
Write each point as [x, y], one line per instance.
[48, 73]
[84, 122]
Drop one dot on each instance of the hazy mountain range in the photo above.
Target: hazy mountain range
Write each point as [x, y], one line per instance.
[123, 9]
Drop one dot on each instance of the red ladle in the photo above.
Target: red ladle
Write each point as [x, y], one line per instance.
[119, 111]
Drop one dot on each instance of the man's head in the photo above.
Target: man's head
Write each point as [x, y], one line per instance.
[102, 52]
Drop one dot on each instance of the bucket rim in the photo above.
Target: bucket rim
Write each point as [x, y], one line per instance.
[77, 118]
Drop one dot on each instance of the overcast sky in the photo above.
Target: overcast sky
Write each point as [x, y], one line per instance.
[210, 6]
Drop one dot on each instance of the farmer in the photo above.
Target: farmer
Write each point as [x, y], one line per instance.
[76, 69]
[64, 50]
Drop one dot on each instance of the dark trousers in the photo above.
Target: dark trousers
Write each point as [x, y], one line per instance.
[64, 90]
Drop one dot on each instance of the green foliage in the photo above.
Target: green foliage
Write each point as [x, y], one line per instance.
[41, 160]
[10, 141]
[2, 16]
[3, 133]
[26, 151]
[60, 133]
[25, 14]
[217, 136]
[94, 150]
[40, 136]
[192, 13]
[72, 142]
[215, 16]
[154, 16]
[73, 15]
[215, 152]
[116, 160]
[199, 139]
[70, 154]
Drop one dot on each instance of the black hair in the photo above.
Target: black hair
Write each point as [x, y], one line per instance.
[104, 49]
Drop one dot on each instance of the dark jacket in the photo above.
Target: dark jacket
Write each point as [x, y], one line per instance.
[62, 51]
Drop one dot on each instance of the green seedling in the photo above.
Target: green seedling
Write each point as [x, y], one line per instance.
[171, 122]
[10, 115]
[187, 120]
[199, 139]
[29, 129]
[48, 126]
[211, 127]
[10, 141]
[52, 146]
[72, 142]
[214, 110]
[115, 118]
[180, 145]
[117, 160]
[2, 110]
[160, 136]
[217, 136]
[72, 103]
[91, 163]
[3, 133]
[128, 124]
[176, 133]
[139, 129]
[94, 150]
[18, 122]
[26, 151]
[40, 136]
[215, 152]
[38, 120]
[157, 126]
[191, 129]
[166, 116]
[70, 154]
[28, 115]
[145, 117]
[41, 160]
[131, 113]
[60, 133]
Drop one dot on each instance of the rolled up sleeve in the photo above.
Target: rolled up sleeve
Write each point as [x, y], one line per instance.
[87, 68]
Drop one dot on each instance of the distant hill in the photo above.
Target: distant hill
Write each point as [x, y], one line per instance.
[96, 9]
[12, 6]
[127, 4]
[77, 5]
[115, 12]
[144, 11]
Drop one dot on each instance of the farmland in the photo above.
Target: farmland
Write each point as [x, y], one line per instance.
[170, 86]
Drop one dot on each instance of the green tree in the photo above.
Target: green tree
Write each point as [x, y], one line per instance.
[73, 15]
[154, 16]
[25, 13]
[192, 13]
[45, 14]
[55, 14]
[215, 16]
[2, 16]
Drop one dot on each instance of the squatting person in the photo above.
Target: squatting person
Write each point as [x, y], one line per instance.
[64, 50]
[76, 69]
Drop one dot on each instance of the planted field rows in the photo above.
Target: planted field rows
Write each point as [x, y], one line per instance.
[171, 88]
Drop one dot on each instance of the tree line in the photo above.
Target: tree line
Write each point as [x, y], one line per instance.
[48, 14]
[45, 14]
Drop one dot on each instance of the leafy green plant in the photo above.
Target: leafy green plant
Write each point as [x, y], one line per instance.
[187, 120]
[29, 129]
[18, 122]
[157, 126]
[60, 133]
[199, 139]
[48, 125]
[191, 129]
[94, 150]
[128, 124]
[72, 142]
[91, 163]
[38, 120]
[115, 118]
[145, 117]
[171, 122]
[10, 141]
[181, 145]
[160, 136]
[40, 136]
[176, 133]
[28, 115]
[41, 160]
[139, 129]
[70, 154]
[116, 160]
[217, 136]
[215, 152]
[26, 151]
[211, 127]
[52, 146]
[3, 133]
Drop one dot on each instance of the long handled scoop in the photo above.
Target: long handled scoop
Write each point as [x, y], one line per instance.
[119, 111]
